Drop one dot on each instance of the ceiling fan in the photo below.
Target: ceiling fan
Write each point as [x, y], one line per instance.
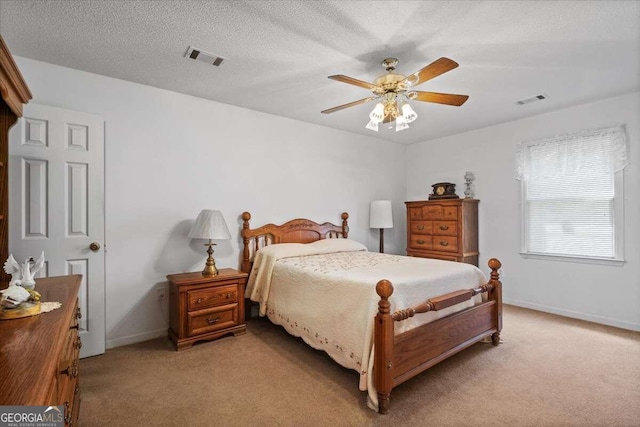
[393, 91]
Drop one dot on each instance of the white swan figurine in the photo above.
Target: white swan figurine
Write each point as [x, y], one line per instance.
[23, 275]
[13, 296]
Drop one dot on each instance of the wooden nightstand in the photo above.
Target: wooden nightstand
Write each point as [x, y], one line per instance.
[205, 308]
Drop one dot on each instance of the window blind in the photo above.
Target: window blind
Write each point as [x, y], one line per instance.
[570, 193]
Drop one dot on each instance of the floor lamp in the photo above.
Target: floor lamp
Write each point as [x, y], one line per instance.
[381, 217]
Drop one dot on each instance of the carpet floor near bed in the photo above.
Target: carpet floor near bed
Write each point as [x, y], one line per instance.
[550, 371]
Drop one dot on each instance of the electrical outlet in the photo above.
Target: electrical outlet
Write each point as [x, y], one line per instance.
[161, 294]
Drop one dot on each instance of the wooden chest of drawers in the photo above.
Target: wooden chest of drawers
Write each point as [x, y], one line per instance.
[443, 229]
[205, 308]
[39, 354]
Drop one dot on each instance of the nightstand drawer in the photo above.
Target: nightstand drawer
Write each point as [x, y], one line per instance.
[422, 227]
[445, 228]
[212, 297]
[445, 243]
[203, 321]
[421, 242]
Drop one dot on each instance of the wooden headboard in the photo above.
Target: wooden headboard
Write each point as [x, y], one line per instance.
[295, 231]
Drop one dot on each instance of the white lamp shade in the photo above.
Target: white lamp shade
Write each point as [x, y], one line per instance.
[380, 215]
[210, 225]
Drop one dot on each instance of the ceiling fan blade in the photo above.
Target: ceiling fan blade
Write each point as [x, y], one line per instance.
[436, 68]
[439, 98]
[351, 104]
[352, 81]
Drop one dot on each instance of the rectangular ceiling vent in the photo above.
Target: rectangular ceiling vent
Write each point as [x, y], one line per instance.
[204, 56]
[532, 99]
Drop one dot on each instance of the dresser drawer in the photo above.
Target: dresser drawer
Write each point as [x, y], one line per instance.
[212, 297]
[213, 319]
[421, 241]
[445, 228]
[445, 243]
[432, 212]
[415, 213]
[422, 227]
[450, 213]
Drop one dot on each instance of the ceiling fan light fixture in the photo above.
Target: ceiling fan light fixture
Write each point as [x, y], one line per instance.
[408, 114]
[393, 92]
[401, 124]
[372, 126]
[377, 114]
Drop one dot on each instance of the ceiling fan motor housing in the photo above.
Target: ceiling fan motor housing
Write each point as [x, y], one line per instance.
[391, 82]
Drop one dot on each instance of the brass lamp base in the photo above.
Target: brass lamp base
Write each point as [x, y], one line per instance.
[210, 266]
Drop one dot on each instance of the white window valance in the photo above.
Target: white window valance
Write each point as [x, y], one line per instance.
[600, 150]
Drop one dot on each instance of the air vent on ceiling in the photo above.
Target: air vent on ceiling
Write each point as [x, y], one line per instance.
[532, 99]
[204, 56]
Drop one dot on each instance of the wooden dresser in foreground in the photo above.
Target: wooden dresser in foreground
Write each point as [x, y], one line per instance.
[205, 307]
[443, 229]
[39, 354]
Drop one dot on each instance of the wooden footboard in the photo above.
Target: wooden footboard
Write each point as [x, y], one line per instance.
[398, 358]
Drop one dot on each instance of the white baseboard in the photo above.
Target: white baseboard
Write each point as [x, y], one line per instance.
[132, 339]
[574, 314]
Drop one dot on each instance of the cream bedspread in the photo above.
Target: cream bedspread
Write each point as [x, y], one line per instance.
[324, 292]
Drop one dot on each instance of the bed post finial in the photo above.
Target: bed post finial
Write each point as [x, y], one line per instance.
[495, 265]
[383, 342]
[246, 263]
[345, 226]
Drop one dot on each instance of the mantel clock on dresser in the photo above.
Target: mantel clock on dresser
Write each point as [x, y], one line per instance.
[443, 190]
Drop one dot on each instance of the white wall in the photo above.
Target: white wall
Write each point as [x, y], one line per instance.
[168, 155]
[605, 294]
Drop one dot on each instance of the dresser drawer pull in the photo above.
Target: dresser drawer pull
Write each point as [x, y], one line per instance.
[444, 243]
[444, 227]
[212, 321]
[421, 242]
[78, 343]
[71, 371]
[228, 296]
[420, 227]
[67, 411]
[76, 326]
[78, 313]
[199, 301]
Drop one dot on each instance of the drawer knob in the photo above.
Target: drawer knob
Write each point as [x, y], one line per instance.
[444, 227]
[78, 313]
[228, 296]
[421, 242]
[79, 343]
[444, 243]
[76, 326]
[199, 301]
[212, 321]
[420, 227]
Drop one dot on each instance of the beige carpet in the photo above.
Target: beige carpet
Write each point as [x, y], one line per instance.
[550, 371]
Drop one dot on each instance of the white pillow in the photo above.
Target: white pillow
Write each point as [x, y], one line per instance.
[337, 245]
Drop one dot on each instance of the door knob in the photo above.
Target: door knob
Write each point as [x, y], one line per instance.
[94, 246]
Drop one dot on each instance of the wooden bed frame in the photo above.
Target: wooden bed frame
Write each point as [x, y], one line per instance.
[398, 358]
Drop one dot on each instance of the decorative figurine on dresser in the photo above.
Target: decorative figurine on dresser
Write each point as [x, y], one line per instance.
[443, 227]
[20, 299]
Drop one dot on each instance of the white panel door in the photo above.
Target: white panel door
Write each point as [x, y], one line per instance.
[56, 204]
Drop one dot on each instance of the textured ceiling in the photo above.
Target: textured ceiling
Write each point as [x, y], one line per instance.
[281, 52]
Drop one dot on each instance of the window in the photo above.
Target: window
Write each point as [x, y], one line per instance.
[572, 195]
